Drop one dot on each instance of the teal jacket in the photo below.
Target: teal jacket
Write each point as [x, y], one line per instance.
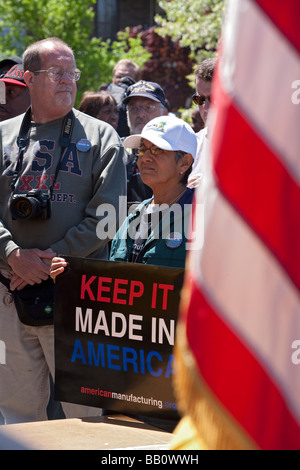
[166, 244]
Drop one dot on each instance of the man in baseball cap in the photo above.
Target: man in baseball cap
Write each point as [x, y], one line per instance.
[16, 93]
[144, 101]
[149, 90]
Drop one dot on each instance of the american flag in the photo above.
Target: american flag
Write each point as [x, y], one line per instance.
[239, 328]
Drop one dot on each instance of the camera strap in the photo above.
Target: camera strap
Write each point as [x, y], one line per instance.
[65, 140]
[24, 137]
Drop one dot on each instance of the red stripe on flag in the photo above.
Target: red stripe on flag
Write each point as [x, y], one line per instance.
[256, 183]
[237, 379]
[286, 18]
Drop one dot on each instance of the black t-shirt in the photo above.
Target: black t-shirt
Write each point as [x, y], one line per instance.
[150, 216]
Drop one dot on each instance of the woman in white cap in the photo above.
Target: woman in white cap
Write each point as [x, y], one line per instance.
[156, 231]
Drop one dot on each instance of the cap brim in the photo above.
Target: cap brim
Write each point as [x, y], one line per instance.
[12, 81]
[133, 141]
[144, 95]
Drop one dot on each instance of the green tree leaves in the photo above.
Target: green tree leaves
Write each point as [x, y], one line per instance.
[23, 22]
[195, 23]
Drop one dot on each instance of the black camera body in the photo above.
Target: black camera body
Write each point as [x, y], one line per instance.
[31, 205]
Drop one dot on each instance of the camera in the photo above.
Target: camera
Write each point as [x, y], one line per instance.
[32, 205]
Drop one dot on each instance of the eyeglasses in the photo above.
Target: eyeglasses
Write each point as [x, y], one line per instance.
[200, 99]
[148, 109]
[56, 73]
[152, 150]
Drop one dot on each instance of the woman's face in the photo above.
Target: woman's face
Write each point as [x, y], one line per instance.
[109, 113]
[159, 169]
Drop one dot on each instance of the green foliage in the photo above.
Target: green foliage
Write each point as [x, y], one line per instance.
[23, 22]
[185, 114]
[195, 23]
[169, 65]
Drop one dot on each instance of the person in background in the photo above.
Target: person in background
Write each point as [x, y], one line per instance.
[125, 68]
[101, 105]
[203, 83]
[17, 94]
[17, 99]
[8, 62]
[125, 73]
[144, 101]
[197, 123]
[76, 175]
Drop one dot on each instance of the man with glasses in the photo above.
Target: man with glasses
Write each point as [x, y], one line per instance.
[62, 165]
[203, 82]
[144, 101]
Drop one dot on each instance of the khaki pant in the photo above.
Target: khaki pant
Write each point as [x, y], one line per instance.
[26, 359]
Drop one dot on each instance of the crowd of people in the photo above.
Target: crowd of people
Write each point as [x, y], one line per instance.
[121, 141]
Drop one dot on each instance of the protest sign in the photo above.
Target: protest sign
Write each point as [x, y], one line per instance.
[114, 336]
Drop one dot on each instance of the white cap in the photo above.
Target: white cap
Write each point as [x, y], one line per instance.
[167, 133]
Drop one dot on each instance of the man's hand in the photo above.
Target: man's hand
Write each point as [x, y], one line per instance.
[194, 181]
[29, 266]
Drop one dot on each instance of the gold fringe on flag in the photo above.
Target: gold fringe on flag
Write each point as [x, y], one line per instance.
[205, 425]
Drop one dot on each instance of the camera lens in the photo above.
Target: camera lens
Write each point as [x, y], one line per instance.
[22, 208]
[25, 208]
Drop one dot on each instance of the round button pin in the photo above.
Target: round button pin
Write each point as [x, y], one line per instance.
[83, 145]
[174, 240]
[8, 299]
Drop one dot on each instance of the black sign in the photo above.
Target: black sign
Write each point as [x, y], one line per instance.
[114, 335]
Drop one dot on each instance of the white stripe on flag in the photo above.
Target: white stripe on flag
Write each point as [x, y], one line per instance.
[252, 59]
[266, 319]
[245, 300]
